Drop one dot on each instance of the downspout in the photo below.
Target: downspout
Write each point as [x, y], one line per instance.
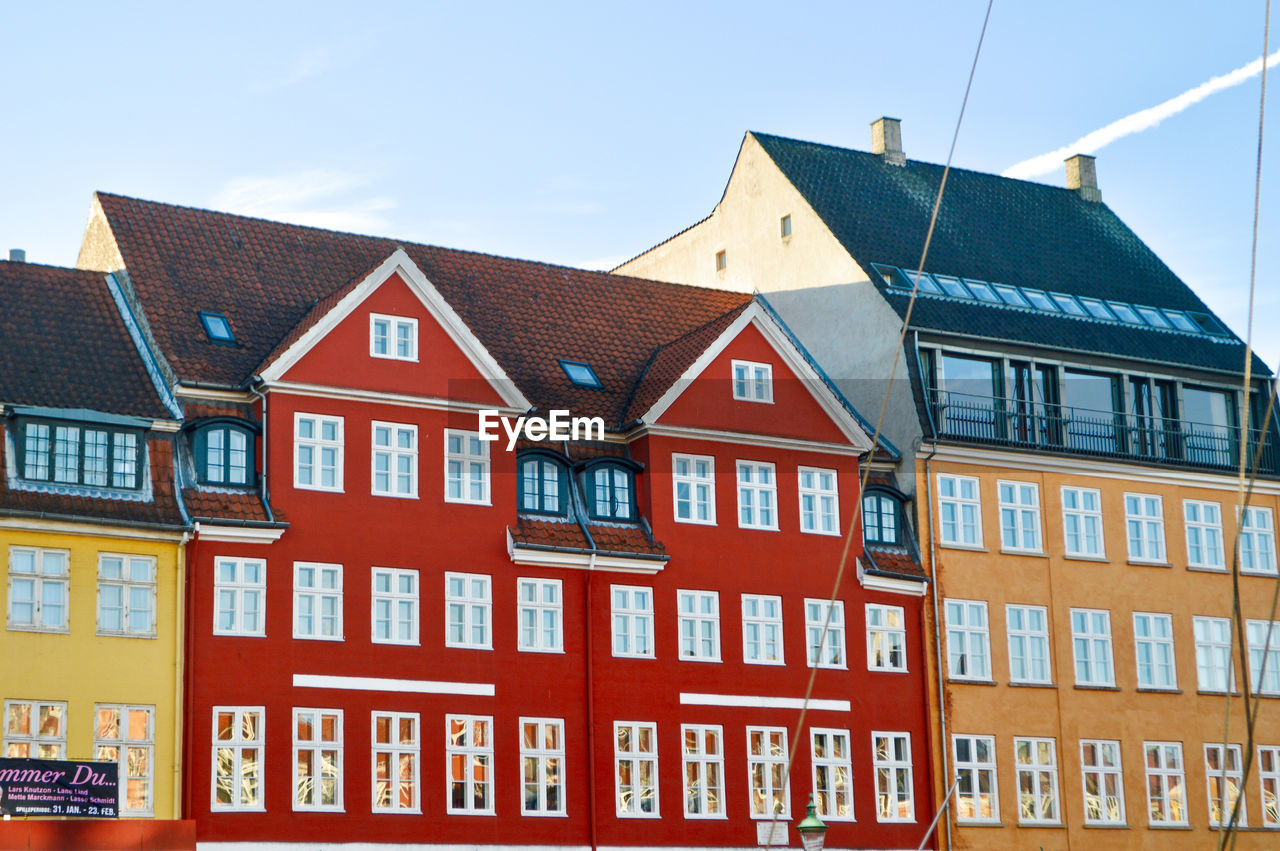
[937, 636]
[179, 680]
[262, 482]
[184, 636]
[579, 514]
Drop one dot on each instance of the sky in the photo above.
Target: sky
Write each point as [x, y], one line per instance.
[585, 132]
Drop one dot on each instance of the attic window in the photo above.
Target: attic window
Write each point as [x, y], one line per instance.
[786, 225]
[721, 262]
[580, 373]
[216, 327]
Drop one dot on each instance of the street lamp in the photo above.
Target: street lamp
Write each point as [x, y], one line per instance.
[812, 831]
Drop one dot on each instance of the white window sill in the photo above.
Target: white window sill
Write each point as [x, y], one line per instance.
[975, 548]
[1102, 559]
[394, 495]
[485, 503]
[115, 634]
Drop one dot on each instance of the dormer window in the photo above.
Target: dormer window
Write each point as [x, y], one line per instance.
[880, 519]
[393, 337]
[542, 485]
[80, 454]
[752, 382]
[217, 328]
[611, 492]
[224, 454]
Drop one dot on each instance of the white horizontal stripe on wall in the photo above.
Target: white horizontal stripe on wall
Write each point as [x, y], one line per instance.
[757, 702]
[386, 684]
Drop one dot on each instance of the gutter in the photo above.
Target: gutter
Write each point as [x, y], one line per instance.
[248, 524]
[594, 551]
[937, 637]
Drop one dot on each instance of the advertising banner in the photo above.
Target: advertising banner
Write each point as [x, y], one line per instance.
[53, 787]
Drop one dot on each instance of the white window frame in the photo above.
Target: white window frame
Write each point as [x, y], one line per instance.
[39, 577]
[1214, 639]
[761, 768]
[959, 516]
[1257, 541]
[825, 651]
[1269, 781]
[1145, 528]
[470, 753]
[1037, 769]
[540, 621]
[1262, 643]
[1088, 522]
[885, 640]
[752, 511]
[394, 597]
[238, 745]
[1028, 644]
[466, 465]
[467, 612]
[1093, 641]
[34, 741]
[316, 594]
[1102, 772]
[824, 766]
[395, 749]
[128, 585]
[894, 777]
[699, 800]
[698, 617]
[699, 488]
[635, 759]
[973, 770]
[394, 324]
[632, 615]
[318, 444]
[1019, 519]
[543, 757]
[1169, 779]
[968, 640]
[768, 630]
[1220, 800]
[819, 503]
[1203, 524]
[394, 454]
[756, 380]
[240, 590]
[125, 741]
[1154, 631]
[317, 747]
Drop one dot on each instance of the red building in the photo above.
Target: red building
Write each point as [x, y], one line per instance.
[399, 632]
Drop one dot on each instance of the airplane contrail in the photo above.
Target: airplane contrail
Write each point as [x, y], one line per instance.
[1136, 122]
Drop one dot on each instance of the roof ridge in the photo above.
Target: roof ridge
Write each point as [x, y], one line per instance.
[16, 264]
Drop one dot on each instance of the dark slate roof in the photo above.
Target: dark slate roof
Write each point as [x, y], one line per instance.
[271, 279]
[63, 344]
[999, 229]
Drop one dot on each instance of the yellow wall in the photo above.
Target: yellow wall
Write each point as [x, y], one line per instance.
[84, 668]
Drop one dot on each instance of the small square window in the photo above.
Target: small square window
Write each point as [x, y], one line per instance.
[580, 373]
[721, 262]
[785, 225]
[393, 337]
[217, 328]
[752, 382]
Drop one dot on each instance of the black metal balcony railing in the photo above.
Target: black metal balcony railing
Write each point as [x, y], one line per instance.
[1013, 422]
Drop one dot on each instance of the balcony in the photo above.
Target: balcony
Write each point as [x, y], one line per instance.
[1000, 421]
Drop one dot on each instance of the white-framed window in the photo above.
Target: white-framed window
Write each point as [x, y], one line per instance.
[703, 770]
[394, 337]
[35, 729]
[1224, 779]
[693, 485]
[126, 735]
[1091, 647]
[468, 608]
[977, 796]
[959, 511]
[886, 638]
[1028, 629]
[1213, 654]
[752, 382]
[891, 762]
[635, 768]
[699, 625]
[968, 640]
[1269, 775]
[1153, 646]
[824, 631]
[126, 595]
[1037, 766]
[541, 615]
[466, 467]
[1019, 517]
[757, 495]
[396, 762]
[39, 589]
[1203, 522]
[832, 773]
[819, 501]
[317, 759]
[1103, 781]
[1144, 521]
[632, 621]
[1082, 522]
[542, 763]
[395, 606]
[317, 452]
[1257, 541]
[1166, 783]
[1263, 638]
[395, 460]
[238, 742]
[762, 630]
[767, 772]
[317, 600]
[469, 755]
[240, 588]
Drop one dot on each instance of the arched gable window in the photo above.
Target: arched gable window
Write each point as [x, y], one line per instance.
[223, 450]
[881, 519]
[611, 491]
[543, 484]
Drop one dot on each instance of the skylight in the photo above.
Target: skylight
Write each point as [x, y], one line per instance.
[580, 374]
[217, 328]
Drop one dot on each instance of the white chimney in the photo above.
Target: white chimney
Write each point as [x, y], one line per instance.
[1083, 177]
[17, 255]
[886, 140]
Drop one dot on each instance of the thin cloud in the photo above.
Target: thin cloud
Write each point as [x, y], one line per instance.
[1137, 122]
[306, 198]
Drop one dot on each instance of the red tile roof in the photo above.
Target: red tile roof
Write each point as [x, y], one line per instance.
[226, 505]
[568, 534]
[895, 561]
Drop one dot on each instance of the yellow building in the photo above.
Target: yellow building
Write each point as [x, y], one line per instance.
[1069, 414]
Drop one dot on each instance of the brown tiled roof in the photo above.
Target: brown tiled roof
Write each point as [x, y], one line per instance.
[894, 560]
[270, 278]
[671, 361]
[567, 534]
[64, 345]
[226, 505]
[625, 539]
